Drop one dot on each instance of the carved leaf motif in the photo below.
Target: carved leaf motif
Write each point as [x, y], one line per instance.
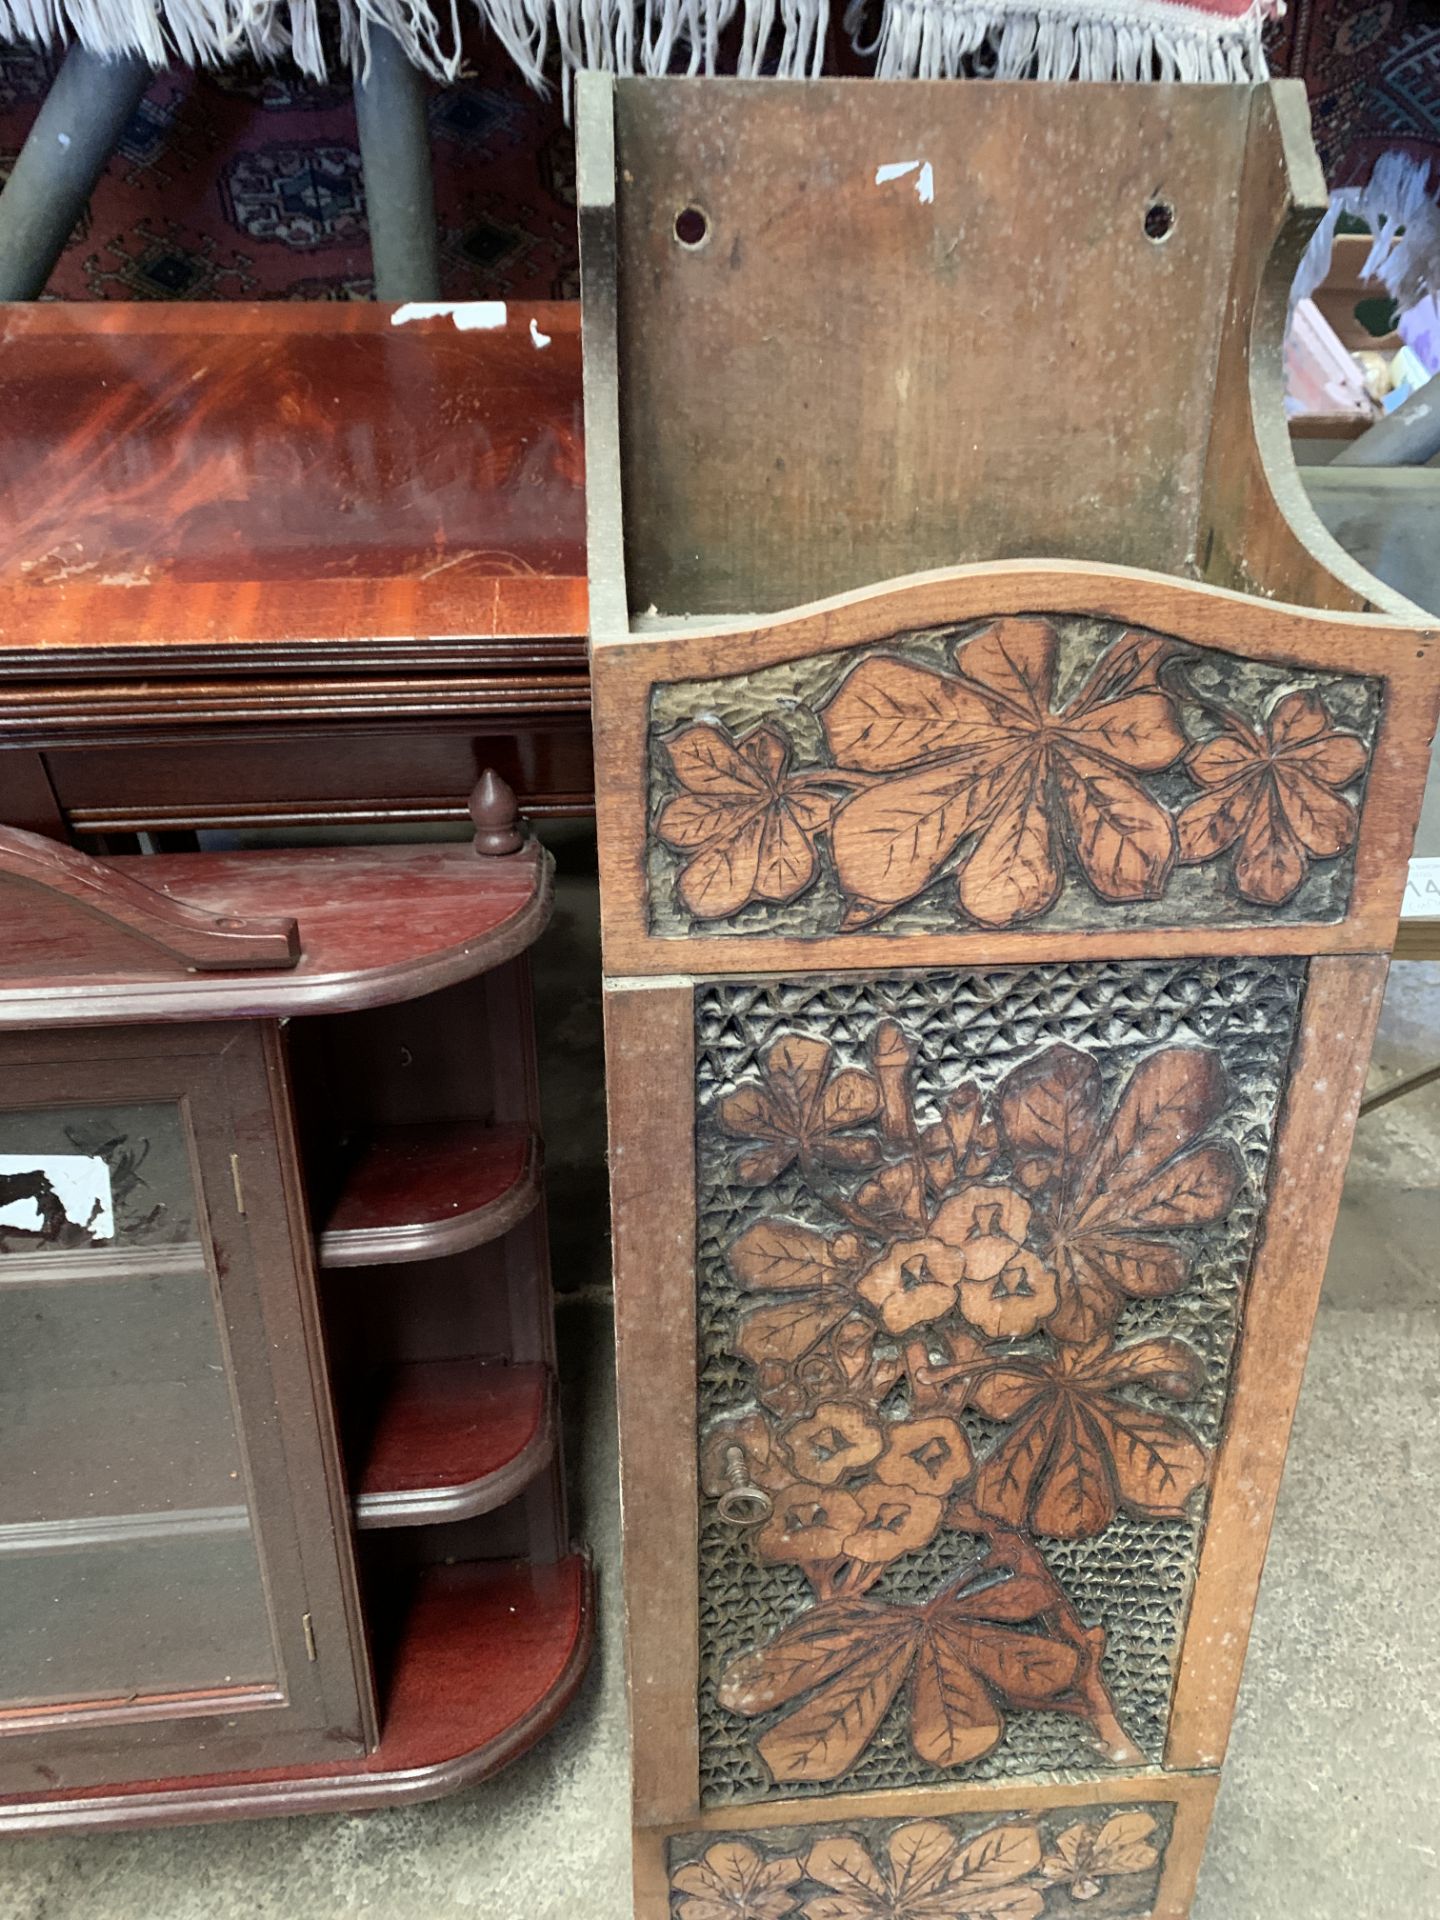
[996, 766]
[891, 841]
[732, 1882]
[747, 827]
[1076, 1452]
[888, 713]
[1086, 1855]
[820, 1644]
[1014, 872]
[954, 1719]
[999, 1857]
[803, 1107]
[1277, 795]
[1105, 1191]
[1050, 1110]
[783, 1256]
[926, 1875]
[787, 1329]
[823, 1739]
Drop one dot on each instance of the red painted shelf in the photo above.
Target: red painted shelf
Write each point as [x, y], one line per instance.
[453, 1438]
[431, 1188]
[487, 1658]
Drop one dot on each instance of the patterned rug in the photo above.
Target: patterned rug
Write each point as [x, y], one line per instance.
[247, 186]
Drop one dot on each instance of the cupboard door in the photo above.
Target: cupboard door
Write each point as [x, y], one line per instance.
[176, 1585]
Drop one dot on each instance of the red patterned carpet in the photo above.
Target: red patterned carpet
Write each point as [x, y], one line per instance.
[248, 187]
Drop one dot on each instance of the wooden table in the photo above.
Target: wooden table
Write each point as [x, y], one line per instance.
[288, 564]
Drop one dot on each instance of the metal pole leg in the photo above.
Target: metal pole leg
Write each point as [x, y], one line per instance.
[395, 157]
[73, 136]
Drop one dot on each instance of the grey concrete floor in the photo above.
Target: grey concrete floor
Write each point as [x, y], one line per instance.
[1328, 1811]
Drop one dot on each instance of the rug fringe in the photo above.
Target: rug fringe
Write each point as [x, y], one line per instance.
[1059, 40]
[926, 39]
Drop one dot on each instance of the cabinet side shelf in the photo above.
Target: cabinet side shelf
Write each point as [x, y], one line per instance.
[422, 1190]
[454, 1438]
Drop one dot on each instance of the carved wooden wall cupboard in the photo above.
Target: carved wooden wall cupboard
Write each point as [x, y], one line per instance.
[992, 957]
[282, 1522]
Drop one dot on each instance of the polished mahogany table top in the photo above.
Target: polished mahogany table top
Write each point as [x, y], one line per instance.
[286, 479]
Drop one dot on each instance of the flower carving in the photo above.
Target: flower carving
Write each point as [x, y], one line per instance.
[746, 827]
[732, 1882]
[835, 1440]
[978, 756]
[926, 1874]
[1076, 1453]
[1086, 1856]
[1274, 796]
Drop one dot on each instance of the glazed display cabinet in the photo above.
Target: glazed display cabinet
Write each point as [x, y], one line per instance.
[1005, 789]
[282, 1523]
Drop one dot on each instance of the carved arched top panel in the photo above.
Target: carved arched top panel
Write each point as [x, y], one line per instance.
[1086, 758]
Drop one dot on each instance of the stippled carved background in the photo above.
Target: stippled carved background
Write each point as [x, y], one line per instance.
[1059, 772]
[972, 1040]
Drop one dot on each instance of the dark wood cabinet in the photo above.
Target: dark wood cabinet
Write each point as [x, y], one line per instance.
[273, 1286]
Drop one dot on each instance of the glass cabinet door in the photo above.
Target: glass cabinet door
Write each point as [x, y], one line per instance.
[153, 1572]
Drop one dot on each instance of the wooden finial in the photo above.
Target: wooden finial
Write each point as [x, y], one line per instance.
[496, 816]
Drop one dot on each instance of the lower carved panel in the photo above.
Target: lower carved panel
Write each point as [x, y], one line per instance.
[972, 1257]
[1059, 1864]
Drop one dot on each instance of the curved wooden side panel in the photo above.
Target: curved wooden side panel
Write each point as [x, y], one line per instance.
[1033, 760]
[1258, 532]
[196, 938]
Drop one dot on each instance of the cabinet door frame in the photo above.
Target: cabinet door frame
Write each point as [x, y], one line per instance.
[228, 1082]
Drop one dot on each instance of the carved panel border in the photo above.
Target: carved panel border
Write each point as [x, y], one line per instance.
[1059, 1864]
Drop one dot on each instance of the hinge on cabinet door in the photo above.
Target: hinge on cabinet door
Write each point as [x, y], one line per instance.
[239, 1185]
[309, 1628]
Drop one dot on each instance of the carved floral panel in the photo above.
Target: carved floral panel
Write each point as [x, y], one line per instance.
[971, 1258]
[1055, 1865]
[1026, 771]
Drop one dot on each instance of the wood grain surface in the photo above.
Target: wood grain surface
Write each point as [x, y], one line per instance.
[649, 1048]
[255, 477]
[1312, 1148]
[377, 924]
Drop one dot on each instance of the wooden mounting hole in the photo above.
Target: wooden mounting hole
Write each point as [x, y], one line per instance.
[692, 227]
[1159, 221]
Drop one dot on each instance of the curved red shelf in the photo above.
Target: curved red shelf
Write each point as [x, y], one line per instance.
[431, 1188]
[487, 1658]
[453, 1438]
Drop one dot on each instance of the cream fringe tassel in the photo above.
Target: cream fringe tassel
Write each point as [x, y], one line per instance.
[931, 39]
[1061, 40]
